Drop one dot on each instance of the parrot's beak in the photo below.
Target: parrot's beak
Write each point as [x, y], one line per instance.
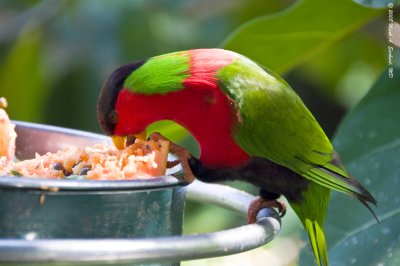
[141, 135]
[120, 142]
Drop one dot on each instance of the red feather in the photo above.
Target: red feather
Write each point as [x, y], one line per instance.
[202, 108]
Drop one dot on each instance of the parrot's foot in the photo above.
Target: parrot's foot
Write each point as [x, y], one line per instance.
[261, 203]
[183, 157]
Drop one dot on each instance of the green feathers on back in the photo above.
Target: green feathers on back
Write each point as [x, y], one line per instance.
[275, 122]
[161, 74]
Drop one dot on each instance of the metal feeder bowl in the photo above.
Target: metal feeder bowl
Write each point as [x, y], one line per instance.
[136, 222]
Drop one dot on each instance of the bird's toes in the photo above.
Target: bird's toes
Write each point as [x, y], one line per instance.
[261, 203]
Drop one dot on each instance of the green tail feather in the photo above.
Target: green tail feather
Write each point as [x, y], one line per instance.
[334, 175]
[311, 211]
[318, 243]
[345, 184]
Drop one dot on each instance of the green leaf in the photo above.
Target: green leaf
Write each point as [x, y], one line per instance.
[283, 40]
[22, 79]
[373, 123]
[368, 141]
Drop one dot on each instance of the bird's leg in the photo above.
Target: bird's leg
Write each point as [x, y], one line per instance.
[182, 154]
[266, 200]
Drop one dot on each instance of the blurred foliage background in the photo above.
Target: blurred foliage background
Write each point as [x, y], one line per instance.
[55, 55]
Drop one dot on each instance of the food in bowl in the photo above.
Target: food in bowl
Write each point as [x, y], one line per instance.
[7, 135]
[142, 159]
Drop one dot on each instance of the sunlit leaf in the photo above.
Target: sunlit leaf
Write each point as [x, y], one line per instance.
[283, 40]
[333, 68]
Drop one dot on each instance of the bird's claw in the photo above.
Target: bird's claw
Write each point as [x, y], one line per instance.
[261, 203]
[182, 154]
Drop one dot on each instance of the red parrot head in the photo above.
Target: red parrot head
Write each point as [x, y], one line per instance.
[182, 87]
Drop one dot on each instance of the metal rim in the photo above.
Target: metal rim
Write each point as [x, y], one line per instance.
[87, 185]
[176, 248]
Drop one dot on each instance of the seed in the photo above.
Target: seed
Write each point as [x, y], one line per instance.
[85, 170]
[66, 173]
[58, 166]
[130, 140]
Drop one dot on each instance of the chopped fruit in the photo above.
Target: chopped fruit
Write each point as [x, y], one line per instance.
[140, 159]
[7, 135]
[143, 159]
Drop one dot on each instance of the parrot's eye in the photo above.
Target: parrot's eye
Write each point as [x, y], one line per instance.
[113, 116]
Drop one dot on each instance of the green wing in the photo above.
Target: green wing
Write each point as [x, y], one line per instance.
[274, 121]
[275, 124]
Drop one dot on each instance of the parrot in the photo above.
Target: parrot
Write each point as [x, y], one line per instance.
[250, 125]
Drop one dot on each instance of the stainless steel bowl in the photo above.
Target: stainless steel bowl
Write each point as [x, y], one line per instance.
[33, 208]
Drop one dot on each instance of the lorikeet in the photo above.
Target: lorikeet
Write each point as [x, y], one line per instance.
[249, 123]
